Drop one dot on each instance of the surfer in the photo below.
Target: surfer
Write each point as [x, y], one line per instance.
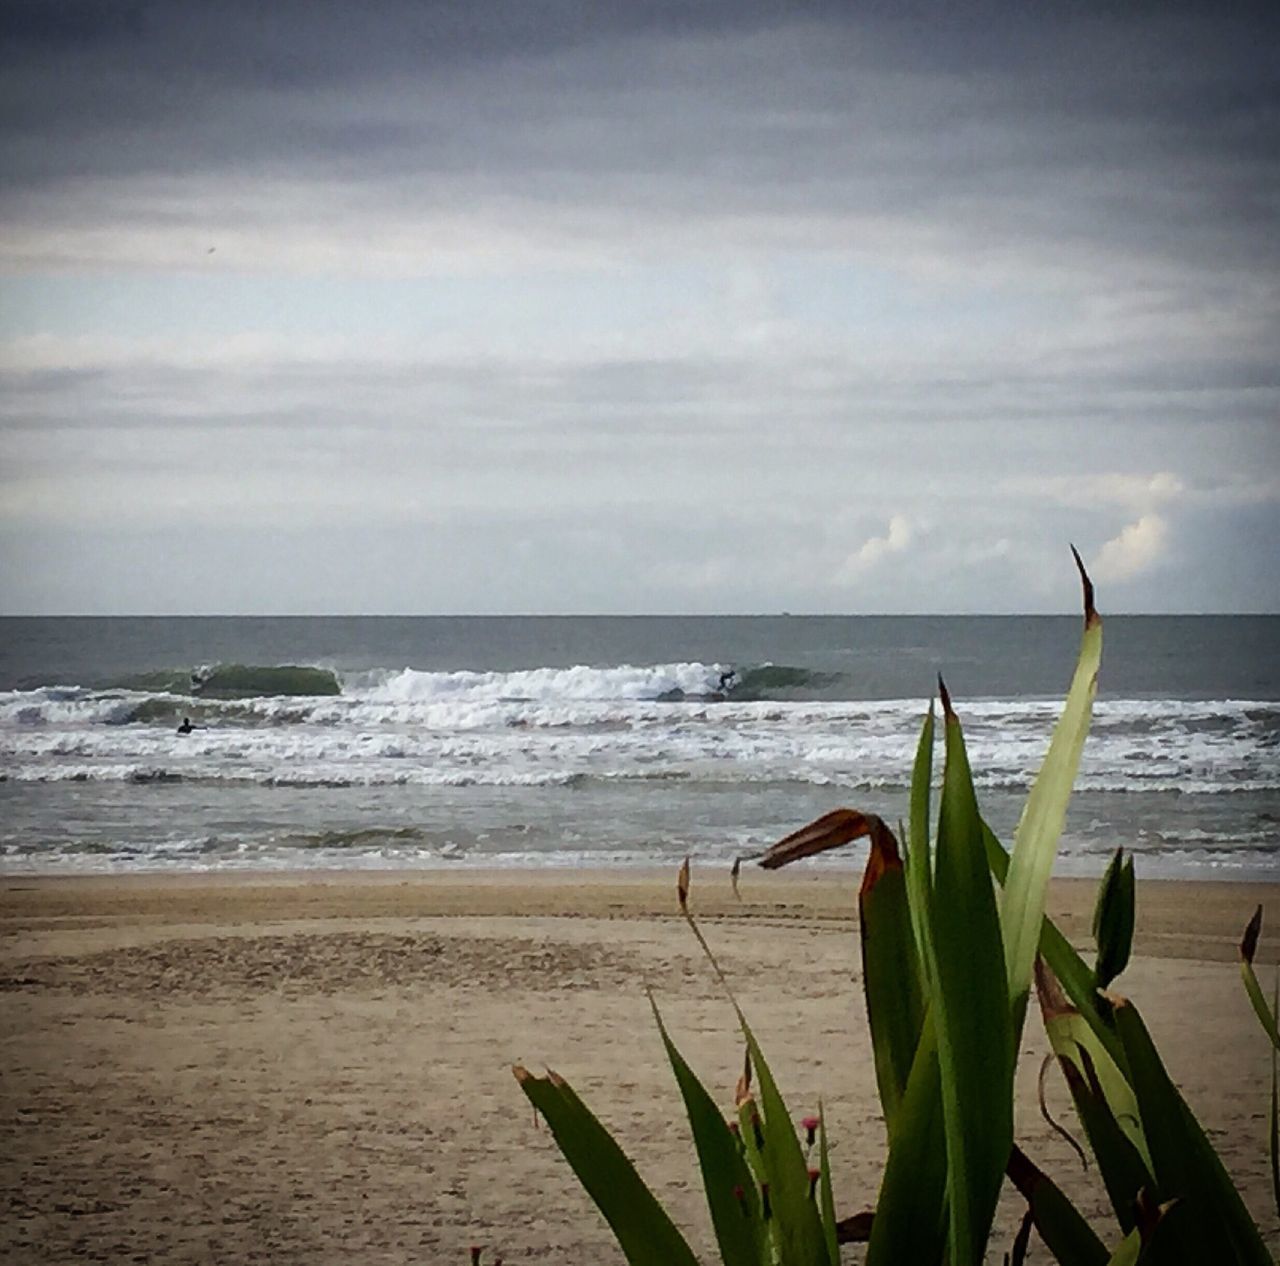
[186, 727]
[727, 680]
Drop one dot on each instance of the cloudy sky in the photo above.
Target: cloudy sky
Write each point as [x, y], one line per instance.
[529, 305]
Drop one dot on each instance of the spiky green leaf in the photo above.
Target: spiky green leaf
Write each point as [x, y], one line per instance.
[1113, 919]
[1214, 1223]
[890, 971]
[1071, 971]
[732, 1197]
[797, 1230]
[644, 1232]
[1248, 947]
[1075, 1040]
[1124, 1172]
[1273, 1136]
[919, 865]
[826, 1198]
[1061, 1225]
[1036, 840]
[971, 1006]
[910, 1223]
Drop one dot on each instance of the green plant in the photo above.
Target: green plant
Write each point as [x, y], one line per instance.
[1267, 1018]
[954, 938]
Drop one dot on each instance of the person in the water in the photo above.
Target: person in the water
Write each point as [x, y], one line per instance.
[727, 680]
[186, 727]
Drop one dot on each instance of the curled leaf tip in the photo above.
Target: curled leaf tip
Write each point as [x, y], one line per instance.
[1091, 616]
[1249, 942]
[884, 855]
[1058, 1128]
[521, 1073]
[682, 885]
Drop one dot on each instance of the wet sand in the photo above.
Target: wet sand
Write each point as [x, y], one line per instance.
[317, 1068]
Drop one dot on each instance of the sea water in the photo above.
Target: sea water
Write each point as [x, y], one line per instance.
[411, 742]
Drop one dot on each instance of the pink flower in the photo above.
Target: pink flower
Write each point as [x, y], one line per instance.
[810, 1127]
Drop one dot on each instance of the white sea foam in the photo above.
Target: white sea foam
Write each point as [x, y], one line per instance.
[633, 758]
[562, 726]
[581, 682]
[64, 706]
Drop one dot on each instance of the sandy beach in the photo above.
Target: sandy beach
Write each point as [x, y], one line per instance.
[317, 1068]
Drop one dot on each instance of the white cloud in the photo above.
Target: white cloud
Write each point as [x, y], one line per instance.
[1136, 549]
[1110, 488]
[871, 552]
[988, 551]
[1145, 499]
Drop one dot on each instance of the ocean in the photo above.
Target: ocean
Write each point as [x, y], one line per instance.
[386, 742]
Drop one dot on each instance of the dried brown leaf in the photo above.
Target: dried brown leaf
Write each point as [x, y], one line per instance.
[855, 1229]
[884, 856]
[1091, 616]
[1249, 942]
[742, 1092]
[947, 710]
[831, 830]
[1053, 1001]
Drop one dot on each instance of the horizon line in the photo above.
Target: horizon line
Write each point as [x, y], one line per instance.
[612, 615]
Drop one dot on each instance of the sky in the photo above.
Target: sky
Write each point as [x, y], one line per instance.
[638, 306]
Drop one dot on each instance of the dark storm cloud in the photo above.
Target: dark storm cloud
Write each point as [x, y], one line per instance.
[1153, 130]
[33, 27]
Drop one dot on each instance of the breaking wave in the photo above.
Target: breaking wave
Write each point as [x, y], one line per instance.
[467, 730]
[237, 681]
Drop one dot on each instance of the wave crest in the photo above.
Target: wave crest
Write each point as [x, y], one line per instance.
[237, 681]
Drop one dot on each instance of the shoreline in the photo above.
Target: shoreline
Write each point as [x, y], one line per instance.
[1176, 918]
